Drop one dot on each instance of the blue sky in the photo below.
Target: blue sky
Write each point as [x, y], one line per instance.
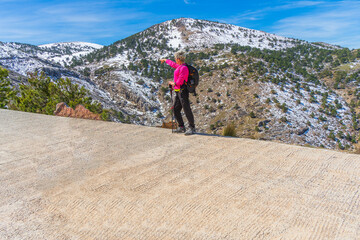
[104, 22]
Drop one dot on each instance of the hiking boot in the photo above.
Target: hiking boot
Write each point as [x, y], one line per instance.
[180, 130]
[190, 131]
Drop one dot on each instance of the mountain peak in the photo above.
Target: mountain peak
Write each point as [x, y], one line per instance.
[195, 33]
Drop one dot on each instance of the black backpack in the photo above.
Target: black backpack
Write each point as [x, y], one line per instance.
[193, 79]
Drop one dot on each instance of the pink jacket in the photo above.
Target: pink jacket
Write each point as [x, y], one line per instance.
[181, 73]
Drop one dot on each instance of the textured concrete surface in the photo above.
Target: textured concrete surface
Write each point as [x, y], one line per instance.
[64, 178]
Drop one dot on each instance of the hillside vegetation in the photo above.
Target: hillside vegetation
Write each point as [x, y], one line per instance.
[40, 94]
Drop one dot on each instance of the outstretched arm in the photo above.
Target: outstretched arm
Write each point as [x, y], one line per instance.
[170, 63]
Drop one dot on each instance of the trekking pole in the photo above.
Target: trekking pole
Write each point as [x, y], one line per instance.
[172, 109]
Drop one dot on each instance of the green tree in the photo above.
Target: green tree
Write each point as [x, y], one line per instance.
[6, 91]
[41, 94]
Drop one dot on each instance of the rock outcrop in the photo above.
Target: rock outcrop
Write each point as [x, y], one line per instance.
[80, 111]
[170, 125]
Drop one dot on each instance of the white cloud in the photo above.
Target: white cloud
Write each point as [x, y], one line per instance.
[90, 12]
[76, 21]
[262, 13]
[189, 2]
[336, 23]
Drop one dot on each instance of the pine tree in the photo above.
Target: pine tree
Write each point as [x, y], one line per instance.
[6, 91]
[41, 94]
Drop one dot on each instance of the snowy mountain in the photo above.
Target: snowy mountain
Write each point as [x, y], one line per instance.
[278, 79]
[117, 68]
[270, 87]
[22, 59]
[30, 57]
[63, 53]
[186, 33]
[192, 33]
[112, 67]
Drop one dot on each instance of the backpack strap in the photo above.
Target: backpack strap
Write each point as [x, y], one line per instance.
[183, 86]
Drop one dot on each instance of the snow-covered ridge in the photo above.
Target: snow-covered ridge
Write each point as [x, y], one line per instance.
[64, 52]
[188, 32]
[163, 39]
[72, 44]
[56, 53]
[326, 45]
[22, 58]
[12, 50]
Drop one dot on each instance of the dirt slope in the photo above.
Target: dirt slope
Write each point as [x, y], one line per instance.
[64, 178]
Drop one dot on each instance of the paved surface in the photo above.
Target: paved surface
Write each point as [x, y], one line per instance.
[64, 178]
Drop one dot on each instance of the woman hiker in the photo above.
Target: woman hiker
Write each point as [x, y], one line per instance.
[182, 94]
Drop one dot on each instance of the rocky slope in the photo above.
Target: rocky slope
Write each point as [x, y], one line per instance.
[269, 100]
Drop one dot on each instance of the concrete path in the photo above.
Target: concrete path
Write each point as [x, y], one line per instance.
[64, 178]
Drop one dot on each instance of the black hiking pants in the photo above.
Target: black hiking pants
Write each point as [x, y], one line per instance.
[182, 102]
